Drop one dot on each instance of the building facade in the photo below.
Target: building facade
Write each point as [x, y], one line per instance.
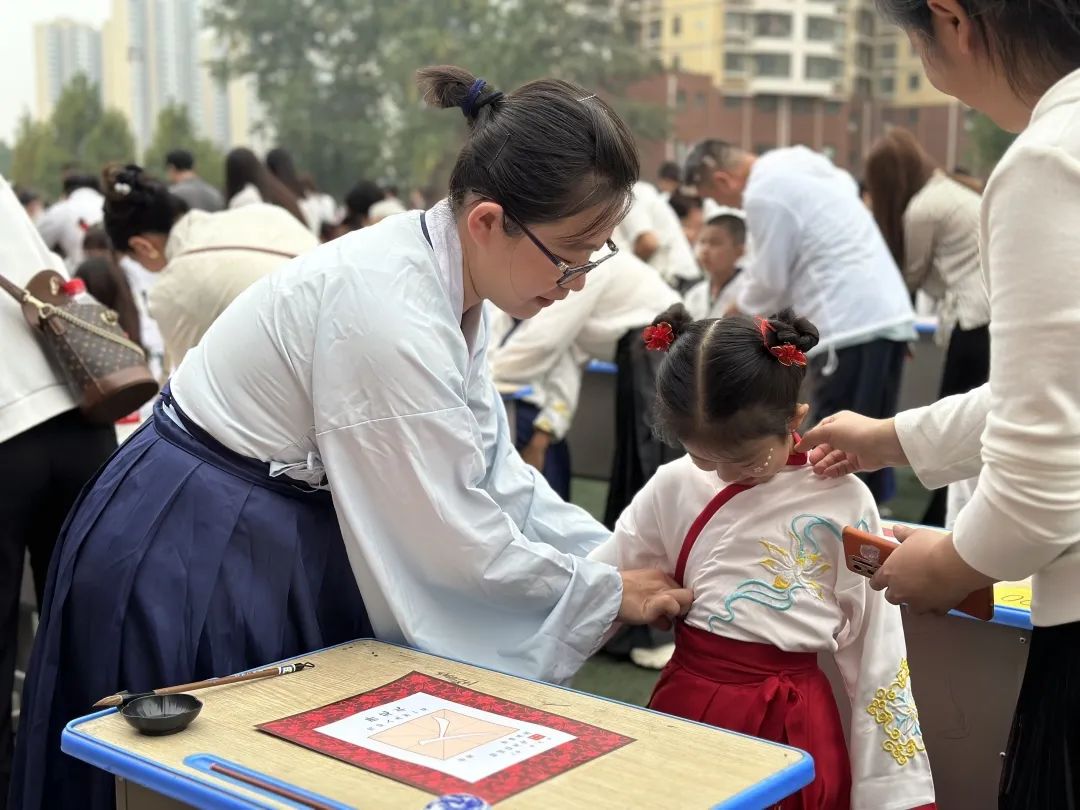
[157, 54]
[62, 50]
[773, 73]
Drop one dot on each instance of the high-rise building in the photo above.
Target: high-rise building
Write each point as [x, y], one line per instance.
[825, 73]
[63, 49]
[157, 54]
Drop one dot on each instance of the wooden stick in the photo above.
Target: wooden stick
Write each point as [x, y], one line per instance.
[269, 672]
[269, 787]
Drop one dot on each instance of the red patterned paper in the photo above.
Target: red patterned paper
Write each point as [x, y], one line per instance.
[591, 742]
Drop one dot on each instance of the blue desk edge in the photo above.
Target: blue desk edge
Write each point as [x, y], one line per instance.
[178, 785]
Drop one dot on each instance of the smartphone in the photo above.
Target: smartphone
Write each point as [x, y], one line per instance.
[865, 553]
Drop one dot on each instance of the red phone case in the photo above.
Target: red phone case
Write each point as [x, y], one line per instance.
[866, 552]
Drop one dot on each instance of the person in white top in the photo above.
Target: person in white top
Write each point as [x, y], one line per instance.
[204, 260]
[743, 521]
[931, 224]
[720, 250]
[47, 450]
[1020, 64]
[64, 225]
[548, 353]
[817, 248]
[332, 460]
[651, 231]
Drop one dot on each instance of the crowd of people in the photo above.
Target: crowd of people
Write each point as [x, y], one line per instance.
[331, 379]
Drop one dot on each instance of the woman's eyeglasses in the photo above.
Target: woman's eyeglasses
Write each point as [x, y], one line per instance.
[569, 271]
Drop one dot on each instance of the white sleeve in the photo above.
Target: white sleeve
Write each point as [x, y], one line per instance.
[562, 390]
[919, 232]
[523, 493]
[889, 766]
[540, 342]
[638, 541]
[943, 441]
[1023, 514]
[776, 232]
[473, 551]
[51, 226]
[635, 224]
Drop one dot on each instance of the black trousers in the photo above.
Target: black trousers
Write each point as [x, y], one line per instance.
[866, 380]
[1042, 762]
[557, 459]
[44, 469]
[967, 366]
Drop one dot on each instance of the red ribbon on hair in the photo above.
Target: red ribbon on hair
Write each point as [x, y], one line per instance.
[658, 338]
[787, 353]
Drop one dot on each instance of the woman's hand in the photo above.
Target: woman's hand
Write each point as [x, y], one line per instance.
[652, 597]
[849, 443]
[926, 573]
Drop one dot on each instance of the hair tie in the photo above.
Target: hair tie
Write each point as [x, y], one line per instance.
[658, 338]
[787, 353]
[468, 104]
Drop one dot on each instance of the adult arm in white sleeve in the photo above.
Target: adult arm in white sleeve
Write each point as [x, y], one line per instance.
[472, 549]
[943, 441]
[638, 540]
[539, 343]
[889, 766]
[776, 233]
[919, 227]
[562, 391]
[1024, 512]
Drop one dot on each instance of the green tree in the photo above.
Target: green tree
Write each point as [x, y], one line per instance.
[74, 116]
[109, 140]
[336, 78]
[175, 130]
[36, 158]
[5, 158]
[988, 144]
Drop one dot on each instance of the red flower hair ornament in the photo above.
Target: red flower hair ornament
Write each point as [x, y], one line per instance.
[658, 338]
[787, 353]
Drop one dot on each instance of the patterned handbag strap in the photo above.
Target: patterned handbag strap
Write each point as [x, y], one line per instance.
[46, 311]
[13, 289]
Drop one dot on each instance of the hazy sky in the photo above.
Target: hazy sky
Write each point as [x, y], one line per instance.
[17, 18]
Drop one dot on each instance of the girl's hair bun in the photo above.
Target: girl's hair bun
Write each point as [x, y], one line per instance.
[787, 327]
[677, 318]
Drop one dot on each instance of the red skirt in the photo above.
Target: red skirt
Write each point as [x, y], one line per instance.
[762, 691]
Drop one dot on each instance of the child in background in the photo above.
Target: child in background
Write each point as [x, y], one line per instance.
[743, 521]
[720, 248]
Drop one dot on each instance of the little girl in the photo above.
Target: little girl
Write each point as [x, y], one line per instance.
[761, 549]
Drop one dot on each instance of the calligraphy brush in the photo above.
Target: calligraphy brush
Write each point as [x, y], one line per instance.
[123, 698]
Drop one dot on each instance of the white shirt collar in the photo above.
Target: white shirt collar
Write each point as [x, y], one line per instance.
[1064, 91]
[445, 241]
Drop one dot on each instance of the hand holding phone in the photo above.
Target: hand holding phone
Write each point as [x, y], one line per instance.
[866, 553]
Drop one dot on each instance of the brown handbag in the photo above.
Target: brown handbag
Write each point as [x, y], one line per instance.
[107, 373]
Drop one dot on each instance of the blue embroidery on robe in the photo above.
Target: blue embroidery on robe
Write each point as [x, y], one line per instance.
[797, 568]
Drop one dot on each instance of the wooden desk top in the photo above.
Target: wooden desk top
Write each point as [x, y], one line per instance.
[681, 764]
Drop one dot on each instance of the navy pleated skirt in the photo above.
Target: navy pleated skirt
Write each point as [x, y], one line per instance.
[181, 561]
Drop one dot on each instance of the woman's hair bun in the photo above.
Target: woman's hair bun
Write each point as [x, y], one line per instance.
[448, 86]
[125, 184]
[677, 318]
[787, 327]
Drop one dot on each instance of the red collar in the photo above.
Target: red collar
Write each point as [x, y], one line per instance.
[796, 459]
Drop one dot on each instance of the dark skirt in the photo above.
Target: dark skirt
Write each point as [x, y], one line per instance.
[1042, 764]
[866, 380]
[181, 561]
[557, 459]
